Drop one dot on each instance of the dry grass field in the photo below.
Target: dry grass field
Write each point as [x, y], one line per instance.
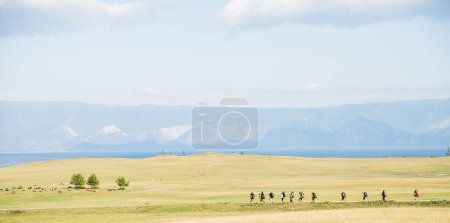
[375, 215]
[179, 188]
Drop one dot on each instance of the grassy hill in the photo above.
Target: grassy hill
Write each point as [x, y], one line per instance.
[176, 183]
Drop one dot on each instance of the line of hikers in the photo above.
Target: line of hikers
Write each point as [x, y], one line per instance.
[301, 196]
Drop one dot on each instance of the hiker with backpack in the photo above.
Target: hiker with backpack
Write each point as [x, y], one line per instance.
[313, 196]
[365, 195]
[416, 194]
[343, 196]
[301, 195]
[262, 197]
[283, 195]
[291, 197]
[252, 197]
[384, 195]
[271, 196]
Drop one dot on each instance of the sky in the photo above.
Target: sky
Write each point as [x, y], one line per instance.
[283, 53]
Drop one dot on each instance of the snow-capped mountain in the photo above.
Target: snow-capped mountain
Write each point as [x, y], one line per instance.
[172, 133]
[59, 126]
[109, 135]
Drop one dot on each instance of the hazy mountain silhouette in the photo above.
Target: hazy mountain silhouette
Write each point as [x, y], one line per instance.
[74, 126]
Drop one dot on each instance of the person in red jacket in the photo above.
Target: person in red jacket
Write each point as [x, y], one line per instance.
[416, 194]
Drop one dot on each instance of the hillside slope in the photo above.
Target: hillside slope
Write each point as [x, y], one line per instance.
[214, 178]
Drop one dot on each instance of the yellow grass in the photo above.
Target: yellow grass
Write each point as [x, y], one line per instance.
[216, 178]
[374, 215]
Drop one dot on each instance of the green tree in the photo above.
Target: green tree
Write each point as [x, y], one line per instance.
[77, 180]
[93, 181]
[122, 182]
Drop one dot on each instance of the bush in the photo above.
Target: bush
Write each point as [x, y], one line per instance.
[122, 182]
[93, 181]
[77, 180]
[17, 211]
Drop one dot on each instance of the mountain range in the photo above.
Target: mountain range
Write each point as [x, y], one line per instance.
[76, 126]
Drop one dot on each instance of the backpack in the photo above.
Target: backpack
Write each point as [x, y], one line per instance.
[366, 194]
[283, 194]
[343, 195]
[262, 196]
[271, 195]
[302, 194]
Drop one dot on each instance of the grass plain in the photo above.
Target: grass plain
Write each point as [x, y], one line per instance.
[216, 187]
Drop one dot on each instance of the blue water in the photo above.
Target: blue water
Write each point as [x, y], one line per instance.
[13, 159]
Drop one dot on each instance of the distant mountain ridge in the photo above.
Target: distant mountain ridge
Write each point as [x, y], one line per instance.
[75, 126]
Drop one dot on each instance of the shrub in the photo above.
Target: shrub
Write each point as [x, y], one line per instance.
[17, 211]
[93, 181]
[77, 180]
[122, 182]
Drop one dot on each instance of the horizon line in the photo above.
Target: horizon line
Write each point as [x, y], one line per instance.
[185, 105]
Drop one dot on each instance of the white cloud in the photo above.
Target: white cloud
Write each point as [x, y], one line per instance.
[44, 16]
[344, 12]
[158, 92]
[87, 7]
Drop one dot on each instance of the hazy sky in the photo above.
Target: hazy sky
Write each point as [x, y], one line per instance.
[275, 53]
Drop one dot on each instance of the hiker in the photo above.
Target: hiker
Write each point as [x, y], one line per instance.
[283, 195]
[271, 196]
[262, 197]
[365, 195]
[416, 194]
[291, 197]
[384, 195]
[313, 196]
[301, 195]
[252, 197]
[343, 196]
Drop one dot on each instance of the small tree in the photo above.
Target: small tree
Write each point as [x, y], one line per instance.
[77, 180]
[122, 182]
[448, 151]
[93, 181]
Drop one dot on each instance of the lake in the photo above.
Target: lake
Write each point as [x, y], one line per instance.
[13, 159]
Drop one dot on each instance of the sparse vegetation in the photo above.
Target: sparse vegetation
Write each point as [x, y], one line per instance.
[93, 181]
[239, 211]
[122, 183]
[17, 211]
[77, 180]
[192, 187]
